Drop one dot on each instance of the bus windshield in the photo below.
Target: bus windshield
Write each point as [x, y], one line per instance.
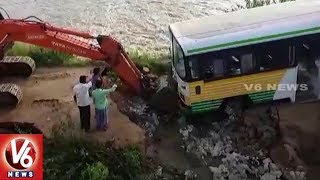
[178, 60]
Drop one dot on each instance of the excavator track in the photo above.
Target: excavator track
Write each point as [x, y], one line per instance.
[22, 66]
[11, 94]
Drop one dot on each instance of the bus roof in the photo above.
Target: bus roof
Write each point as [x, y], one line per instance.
[248, 26]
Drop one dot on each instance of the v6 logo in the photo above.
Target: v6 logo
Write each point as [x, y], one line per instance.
[20, 154]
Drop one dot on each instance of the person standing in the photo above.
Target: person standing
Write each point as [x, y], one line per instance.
[100, 101]
[96, 75]
[82, 98]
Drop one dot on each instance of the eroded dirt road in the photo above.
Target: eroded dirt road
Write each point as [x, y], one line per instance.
[48, 100]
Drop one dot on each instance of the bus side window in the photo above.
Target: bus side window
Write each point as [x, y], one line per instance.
[233, 65]
[274, 55]
[213, 69]
[218, 68]
[247, 64]
[208, 69]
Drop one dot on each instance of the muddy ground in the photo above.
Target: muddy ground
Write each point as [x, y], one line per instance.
[48, 100]
[172, 141]
[300, 123]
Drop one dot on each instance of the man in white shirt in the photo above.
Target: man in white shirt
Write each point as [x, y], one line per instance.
[81, 96]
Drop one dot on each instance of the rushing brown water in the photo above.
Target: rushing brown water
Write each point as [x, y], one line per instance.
[141, 24]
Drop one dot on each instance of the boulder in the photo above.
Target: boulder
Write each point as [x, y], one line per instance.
[145, 69]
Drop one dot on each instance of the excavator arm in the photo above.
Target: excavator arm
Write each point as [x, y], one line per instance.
[101, 48]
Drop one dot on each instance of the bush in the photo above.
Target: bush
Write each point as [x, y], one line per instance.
[68, 155]
[81, 159]
[95, 171]
[66, 158]
[48, 58]
[155, 62]
[126, 162]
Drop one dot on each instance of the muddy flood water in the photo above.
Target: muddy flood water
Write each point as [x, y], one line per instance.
[141, 24]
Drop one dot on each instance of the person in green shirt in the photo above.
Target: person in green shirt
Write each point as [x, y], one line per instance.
[100, 101]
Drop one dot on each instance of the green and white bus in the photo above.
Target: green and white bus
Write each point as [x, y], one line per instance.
[223, 56]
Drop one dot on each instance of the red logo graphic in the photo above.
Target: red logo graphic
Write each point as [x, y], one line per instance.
[20, 156]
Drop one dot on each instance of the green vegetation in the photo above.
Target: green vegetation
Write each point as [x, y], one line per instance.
[68, 155]
[112, 76]
[96, 171]
[155, 62]
[77, 158]
[49, 58]
[257, 3]
[44, 57]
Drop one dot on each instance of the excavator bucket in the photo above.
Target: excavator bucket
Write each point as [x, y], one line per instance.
[120, 63]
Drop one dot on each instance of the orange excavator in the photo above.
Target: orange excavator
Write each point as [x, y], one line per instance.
[34, 31]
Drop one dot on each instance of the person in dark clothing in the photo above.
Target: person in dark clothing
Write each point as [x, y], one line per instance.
[81, 96]
[96, 76]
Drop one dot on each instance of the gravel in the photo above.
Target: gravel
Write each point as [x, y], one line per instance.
[230, 157]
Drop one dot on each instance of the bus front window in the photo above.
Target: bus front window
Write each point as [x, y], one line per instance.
[178, 60]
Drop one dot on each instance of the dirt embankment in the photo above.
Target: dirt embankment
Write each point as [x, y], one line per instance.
[48, 101]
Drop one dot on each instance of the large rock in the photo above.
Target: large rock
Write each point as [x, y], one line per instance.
[145, 69]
